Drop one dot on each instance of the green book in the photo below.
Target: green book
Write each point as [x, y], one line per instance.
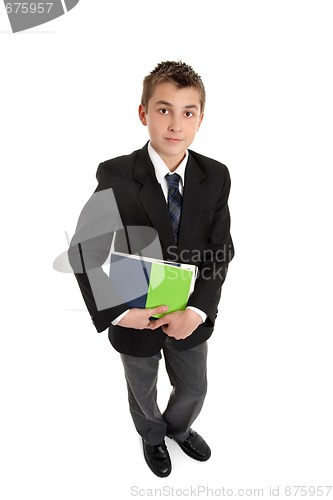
[146, 283]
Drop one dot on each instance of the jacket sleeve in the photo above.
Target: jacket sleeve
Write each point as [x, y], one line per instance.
[89, 251]
[216, 257]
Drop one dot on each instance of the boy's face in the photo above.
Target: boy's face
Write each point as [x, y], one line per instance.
[173, 118]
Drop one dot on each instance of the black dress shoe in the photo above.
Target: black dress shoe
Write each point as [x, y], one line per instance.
[157, 458]
[195, 447]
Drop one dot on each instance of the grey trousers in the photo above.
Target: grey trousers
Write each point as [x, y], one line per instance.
[187, 371]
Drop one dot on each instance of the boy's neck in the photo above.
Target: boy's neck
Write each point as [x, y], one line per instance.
[173, 165]
[171, 162]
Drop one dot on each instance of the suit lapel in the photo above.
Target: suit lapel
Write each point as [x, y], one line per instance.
[194, 196]
[152, 198]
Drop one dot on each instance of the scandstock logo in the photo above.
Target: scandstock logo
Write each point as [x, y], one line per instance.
[25, 15]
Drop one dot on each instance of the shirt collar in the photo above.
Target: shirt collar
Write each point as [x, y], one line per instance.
[161, 170]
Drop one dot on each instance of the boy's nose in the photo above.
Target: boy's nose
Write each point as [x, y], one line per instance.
[175, 127]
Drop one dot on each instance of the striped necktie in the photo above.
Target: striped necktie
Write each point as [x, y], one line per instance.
[174, 202]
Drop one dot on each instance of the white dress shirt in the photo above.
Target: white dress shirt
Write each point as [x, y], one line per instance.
[161, 170]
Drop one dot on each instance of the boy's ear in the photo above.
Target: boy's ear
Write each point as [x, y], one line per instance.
[142, 115]
[200, 120]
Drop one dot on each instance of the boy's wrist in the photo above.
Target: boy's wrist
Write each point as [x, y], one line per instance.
[118, 318]
[202, 314]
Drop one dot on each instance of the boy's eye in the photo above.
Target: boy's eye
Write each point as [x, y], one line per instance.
[189, 113]
[164, 111]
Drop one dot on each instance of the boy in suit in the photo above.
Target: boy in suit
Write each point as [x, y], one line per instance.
[183, 197]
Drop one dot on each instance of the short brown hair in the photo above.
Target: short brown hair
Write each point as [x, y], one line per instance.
[176, 72]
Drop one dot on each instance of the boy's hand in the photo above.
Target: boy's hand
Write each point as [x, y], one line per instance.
[178, 324]
[139, 318]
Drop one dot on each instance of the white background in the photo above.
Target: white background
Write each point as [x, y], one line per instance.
[69, 96]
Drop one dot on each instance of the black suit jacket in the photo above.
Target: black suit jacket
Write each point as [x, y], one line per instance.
[204, 240]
